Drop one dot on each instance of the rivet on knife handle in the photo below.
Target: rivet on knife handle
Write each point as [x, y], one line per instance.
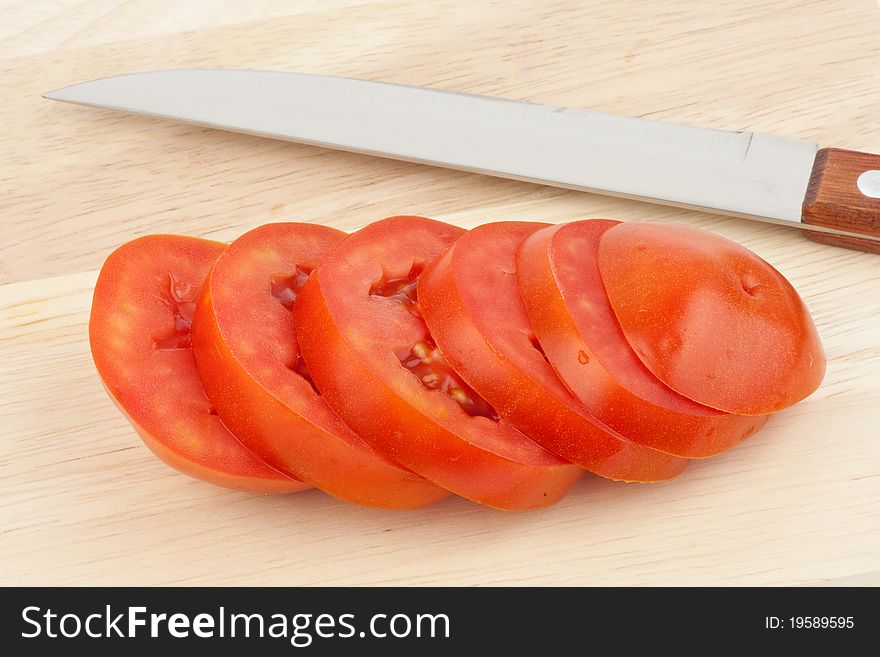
[844, 194]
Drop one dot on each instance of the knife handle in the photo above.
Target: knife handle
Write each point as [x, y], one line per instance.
[844, 194]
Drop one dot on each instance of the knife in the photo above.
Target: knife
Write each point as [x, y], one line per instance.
[833, 195]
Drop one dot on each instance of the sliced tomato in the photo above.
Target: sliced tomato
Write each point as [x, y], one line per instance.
[559, 279]
[139, 331]
[471, 304]
[252, 371]
[711, 319]
[370, 354]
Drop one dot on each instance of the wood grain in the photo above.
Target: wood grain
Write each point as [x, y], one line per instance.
[833, 199]
[82, 501]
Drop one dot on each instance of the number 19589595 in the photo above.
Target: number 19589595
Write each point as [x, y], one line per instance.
[810, 622]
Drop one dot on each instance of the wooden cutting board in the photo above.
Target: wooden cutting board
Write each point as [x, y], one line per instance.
[82, 501]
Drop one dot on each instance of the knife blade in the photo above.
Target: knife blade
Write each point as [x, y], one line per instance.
[833, 194]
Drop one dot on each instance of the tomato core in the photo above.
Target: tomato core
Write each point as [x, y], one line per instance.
[428, 364]
[402, 290]
[286, 288]
[424, 359]
[180, 297]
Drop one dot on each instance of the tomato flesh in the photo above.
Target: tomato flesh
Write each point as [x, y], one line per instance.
[139, 332]
[710, 319]
[357, 329]
[565, 298]
[471, 303]
[252, 370]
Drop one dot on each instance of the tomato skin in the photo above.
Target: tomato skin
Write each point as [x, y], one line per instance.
[478, 319]
[562, 290]
[350, 339]
[158, 390]
[711, 319]
[244, 344]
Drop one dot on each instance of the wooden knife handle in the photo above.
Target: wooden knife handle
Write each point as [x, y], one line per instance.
[844, 193]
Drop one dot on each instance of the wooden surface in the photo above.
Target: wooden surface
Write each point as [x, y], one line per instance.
[82, 501]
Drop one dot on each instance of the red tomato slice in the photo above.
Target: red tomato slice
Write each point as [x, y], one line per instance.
[372, 357]
[710, 319]
[472, 306]
[252, 371]
[139, 332]
[566, 301]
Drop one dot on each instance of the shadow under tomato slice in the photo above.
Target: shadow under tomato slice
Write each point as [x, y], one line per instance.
[566, 301]
[139, 332]
[471, 302]
[373, 359]
[711, 319]
[250, 365]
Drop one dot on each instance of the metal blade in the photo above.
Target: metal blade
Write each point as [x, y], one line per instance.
[739, 173]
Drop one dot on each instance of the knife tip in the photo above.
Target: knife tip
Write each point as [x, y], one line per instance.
[65, 94]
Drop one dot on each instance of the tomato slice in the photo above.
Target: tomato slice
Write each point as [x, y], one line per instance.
[139, 331]
[252, 371]
[711, 319]
[559, 279]
[370, 354]
[472, 306]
